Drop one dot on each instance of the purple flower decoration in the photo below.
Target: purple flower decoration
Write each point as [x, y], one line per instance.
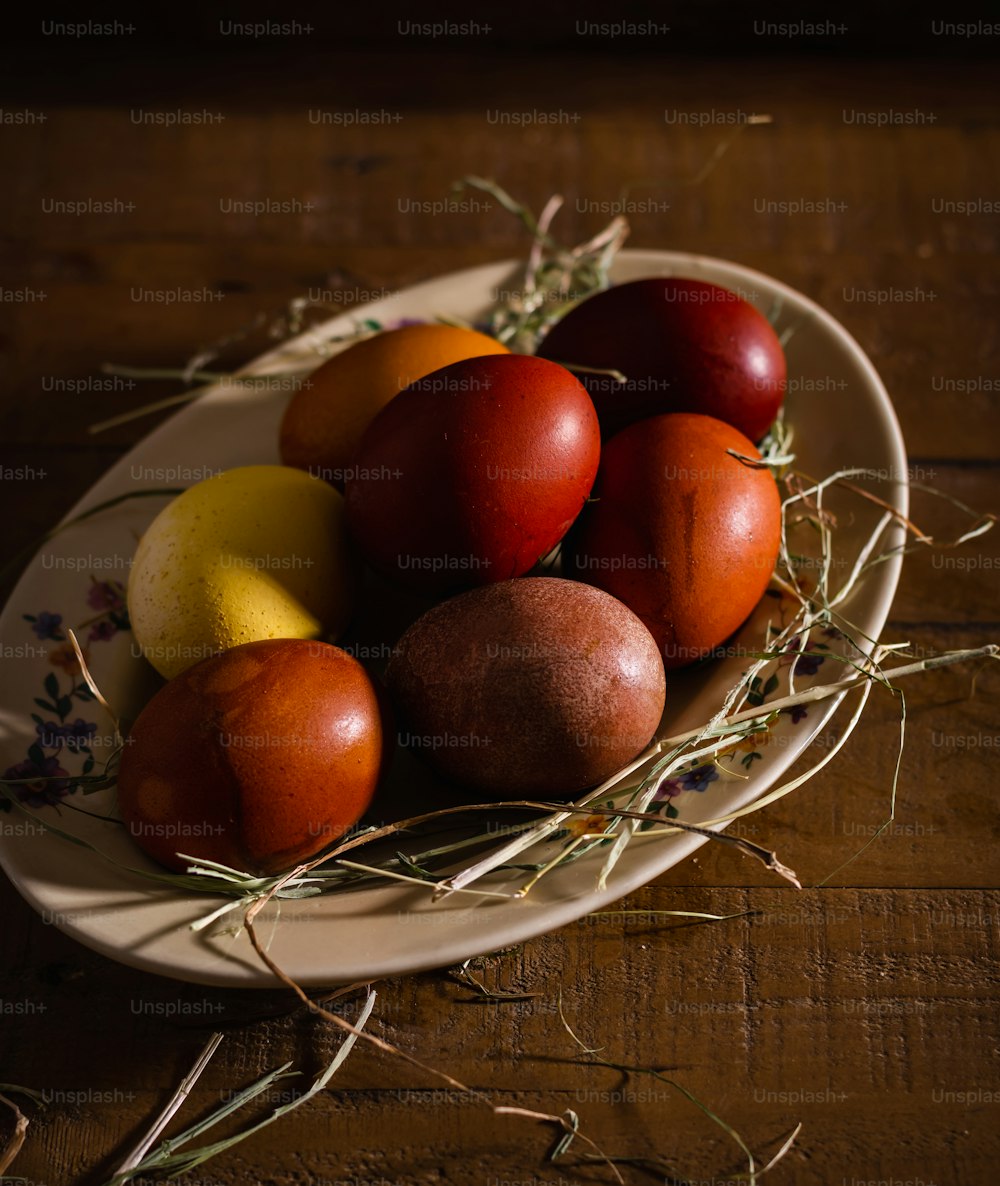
[40, 779]
[80, 734]
[50, 734]
[670, 788]
[74, 736]
[698, 778]
[106, 595]
[808, 664]
[39, 794]
[796, 712]
[47, 625]
[102, 631]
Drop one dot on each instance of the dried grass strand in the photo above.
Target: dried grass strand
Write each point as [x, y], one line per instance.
[16, 1140]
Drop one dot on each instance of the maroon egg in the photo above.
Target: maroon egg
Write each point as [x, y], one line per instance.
[680, 530]
[538, 686]
[683, 346]
[258, 758]
[473, 473]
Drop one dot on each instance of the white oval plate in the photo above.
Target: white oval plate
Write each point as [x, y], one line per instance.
[842, 417]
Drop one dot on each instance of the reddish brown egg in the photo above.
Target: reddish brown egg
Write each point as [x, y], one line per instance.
[473, 473]
[538, 686]
[258, 757]
[683, 346]
[681, 531]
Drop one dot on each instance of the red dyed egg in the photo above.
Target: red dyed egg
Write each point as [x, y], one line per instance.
[473, 473]
[681, 531]
[259, 757]
[683, 346]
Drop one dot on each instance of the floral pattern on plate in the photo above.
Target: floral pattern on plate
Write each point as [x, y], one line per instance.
[40, 778]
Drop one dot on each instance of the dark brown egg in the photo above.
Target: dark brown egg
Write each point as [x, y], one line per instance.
[683, 346]
[258, 757]
[537, 686]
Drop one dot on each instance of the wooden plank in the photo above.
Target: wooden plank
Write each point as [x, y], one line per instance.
[898, 983]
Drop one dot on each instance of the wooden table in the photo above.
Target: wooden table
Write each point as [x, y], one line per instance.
[866, 1009]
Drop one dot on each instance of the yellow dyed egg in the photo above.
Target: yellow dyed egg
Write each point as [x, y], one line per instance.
[327, 416]
[256, 552]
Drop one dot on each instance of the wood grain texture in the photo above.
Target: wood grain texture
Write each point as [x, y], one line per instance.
[866, 1007]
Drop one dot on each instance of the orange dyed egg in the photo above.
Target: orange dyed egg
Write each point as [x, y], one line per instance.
[681, 531]
[327, 416]
[259, 757]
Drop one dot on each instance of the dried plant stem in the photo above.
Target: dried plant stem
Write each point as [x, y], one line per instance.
[393, 876]
[171, 1158]
[920, 535]
[757, 715]
[18, 559]
[698, 914]
[302, 359]
[753, 1173]
[13, 1146]
[746, 846]
[580, 369]
[517, 845]
[315, 1007]
[788, 1143]
[174, 1104]
[631, 824]
[892, 797]
[160, 405]
[92, 684]
[127, 372]
[560, 856]
[463, 976]
[722, 147]
[387, 1047]
[825, 691]
[787, 787]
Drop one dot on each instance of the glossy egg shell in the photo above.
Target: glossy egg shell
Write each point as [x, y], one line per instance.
[326, 418]
[473, 473]
[683, 345]
[681, 531]
[538, 686]
[259, 757]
